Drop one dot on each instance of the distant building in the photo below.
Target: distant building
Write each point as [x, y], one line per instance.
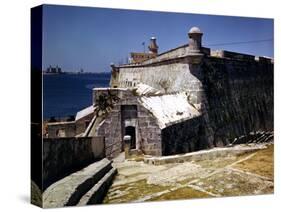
[54, 70]
[138, 57]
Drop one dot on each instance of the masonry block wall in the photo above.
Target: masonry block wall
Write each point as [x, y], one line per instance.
[239, 95]
[148, 133]
[111, 129]
[183, 137]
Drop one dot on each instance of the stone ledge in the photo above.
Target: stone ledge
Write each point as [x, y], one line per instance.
[202, 155]
[69, 190]
[96, 194]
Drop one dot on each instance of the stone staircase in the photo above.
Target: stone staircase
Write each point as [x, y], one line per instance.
[258, 137]
[87, 186]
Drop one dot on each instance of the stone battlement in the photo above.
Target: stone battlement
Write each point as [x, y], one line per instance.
[239, 56]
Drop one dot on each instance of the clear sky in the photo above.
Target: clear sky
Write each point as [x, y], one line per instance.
[92, 38]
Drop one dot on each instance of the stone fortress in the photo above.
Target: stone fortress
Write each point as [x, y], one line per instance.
[186, 99]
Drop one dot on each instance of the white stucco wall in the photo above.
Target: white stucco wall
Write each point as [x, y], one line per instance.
[170, 77]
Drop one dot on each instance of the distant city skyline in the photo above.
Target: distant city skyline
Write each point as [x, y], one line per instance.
[89, 38]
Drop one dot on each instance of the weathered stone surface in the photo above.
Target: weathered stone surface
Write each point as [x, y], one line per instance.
[63, 156]
[213, 176]
[96, 194]
[203, 155]
[36, 195]
[69, 190]
[239, 95]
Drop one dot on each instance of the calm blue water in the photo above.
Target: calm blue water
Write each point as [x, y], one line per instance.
[66, 94]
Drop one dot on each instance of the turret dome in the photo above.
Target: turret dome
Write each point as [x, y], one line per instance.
[195, 30]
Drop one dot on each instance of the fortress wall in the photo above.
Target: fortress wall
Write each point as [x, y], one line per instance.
[170, 76]
[239, 95]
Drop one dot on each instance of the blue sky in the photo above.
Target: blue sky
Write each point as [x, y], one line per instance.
[92, 38]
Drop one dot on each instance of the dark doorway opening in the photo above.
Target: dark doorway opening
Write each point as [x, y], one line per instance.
[131, 131]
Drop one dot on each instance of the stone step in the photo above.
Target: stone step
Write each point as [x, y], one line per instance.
[69, 190]
[96, 194]
[259, 137]
[269, 138]
[264, 138]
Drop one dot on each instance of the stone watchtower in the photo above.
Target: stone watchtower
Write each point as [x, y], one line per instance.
[195, 40]
[153, 48]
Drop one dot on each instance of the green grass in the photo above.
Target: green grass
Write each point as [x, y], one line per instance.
[181, 193]
[136, 190]
[262, 163]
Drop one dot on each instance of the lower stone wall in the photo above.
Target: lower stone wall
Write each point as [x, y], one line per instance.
[111, 130]
[62, 156]
[149, 133]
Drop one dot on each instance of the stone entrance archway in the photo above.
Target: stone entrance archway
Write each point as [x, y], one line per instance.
[131, 131]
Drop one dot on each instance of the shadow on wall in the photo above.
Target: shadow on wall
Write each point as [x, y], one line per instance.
[239, 97]
[186, 136]
[63, 156]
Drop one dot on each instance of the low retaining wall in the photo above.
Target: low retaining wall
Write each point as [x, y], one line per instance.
[62, 156]
[202, 155]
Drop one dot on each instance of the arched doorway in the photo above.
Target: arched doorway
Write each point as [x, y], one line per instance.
[131, 131]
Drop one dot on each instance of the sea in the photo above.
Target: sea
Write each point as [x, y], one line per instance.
[66, 94]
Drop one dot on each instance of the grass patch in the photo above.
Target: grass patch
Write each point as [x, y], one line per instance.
[181, 193]
[137, 158]
[262, 163]
[231, 183]
[135, 174]
[134, 191]
[186, 181]
[222, 162]
[217, 163]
